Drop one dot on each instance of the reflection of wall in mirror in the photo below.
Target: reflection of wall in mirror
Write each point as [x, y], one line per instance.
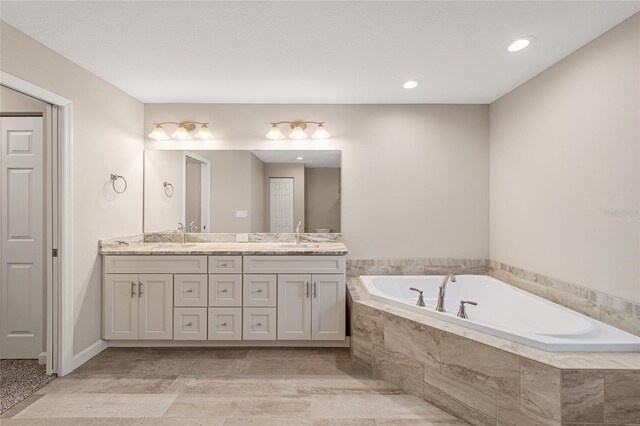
[162, 213]
[322, 199]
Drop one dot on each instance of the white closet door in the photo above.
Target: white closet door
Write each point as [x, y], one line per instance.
[281, 204]
[22, 232]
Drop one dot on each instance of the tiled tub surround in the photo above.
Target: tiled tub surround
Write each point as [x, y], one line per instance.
[503, 311]
[617, 312]
[486, 380]
[424, 266]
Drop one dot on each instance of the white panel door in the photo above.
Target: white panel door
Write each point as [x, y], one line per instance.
[281, 204]
[120, 306]
[328, 307]
[294, 307]
[155, 293]
[22, 233]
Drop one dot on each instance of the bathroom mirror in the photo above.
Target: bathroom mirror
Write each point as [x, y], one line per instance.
[242, 191]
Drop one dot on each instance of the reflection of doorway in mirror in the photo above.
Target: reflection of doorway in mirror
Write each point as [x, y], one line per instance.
[196, 193]
[281, 205]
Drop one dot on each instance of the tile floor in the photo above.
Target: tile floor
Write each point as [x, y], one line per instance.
[197, 386]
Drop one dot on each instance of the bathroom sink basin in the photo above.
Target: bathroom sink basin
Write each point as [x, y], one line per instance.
[301, 245]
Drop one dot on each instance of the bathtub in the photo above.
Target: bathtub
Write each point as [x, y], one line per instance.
[504, 311]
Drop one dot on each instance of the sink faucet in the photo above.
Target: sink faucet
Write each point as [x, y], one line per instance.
[180, 229]
[298, 232]
[442, 290]
[192, 226]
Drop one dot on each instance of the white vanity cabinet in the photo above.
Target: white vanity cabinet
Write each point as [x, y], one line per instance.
[311, 307]
[138, 306]
[225, 300]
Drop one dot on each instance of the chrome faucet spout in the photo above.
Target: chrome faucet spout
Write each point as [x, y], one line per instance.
[298, 229]
[442, 290]
[180, 229]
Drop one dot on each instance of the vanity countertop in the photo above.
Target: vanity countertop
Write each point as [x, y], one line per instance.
[226, 248]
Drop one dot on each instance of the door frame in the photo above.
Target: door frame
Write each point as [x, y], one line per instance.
[58, 186]
[205, 188]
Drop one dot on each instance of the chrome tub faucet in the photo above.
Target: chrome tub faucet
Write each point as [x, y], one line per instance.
[442, 291]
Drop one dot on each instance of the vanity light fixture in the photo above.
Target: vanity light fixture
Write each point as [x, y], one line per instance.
[182, 132]
[411, 84]
[297, 130]
[520, 43]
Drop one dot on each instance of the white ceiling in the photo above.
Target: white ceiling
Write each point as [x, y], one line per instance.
[310, 159]
[314, 52]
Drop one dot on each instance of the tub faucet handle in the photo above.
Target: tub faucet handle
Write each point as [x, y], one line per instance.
[462, 312]
[420, 297]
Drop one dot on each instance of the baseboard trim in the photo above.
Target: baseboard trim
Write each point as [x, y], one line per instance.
[230, 344]
[42, 358]
[88, 353]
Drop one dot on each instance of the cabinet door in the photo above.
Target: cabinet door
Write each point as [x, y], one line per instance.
[259, 290]
[328, 307]
[155, 293]
[225, 290]
[294, 307]
[190, 290]
[225, 323]
[120, 306]
[258, 323]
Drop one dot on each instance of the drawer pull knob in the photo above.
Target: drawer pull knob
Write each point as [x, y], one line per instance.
[259, 324]
[190, 290]
[223, 290]
[189, 324]
[224, 324]
[259, 291]
[223, 265]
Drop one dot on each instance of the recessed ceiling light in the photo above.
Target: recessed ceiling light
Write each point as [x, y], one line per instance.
[300, 158]
[411, 84]
[520, 43]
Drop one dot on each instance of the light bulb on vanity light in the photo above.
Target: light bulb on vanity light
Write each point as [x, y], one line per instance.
[275, 133]
[298, 133]
[158, 133]
[321, 132]
[204, 132]
[181, 134]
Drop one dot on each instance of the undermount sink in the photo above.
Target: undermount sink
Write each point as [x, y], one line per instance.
[300, 245]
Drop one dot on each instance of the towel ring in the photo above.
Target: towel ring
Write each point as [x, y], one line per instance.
[166, 189]
[114, 178]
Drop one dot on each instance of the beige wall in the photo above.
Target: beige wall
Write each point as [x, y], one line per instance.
[415, 178]
[565, 168]
[107, 138]
[322, 198]
[295, 171]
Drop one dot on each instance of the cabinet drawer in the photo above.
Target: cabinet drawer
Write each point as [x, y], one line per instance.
[259, 290]
[190, 324]
[225, 290]
[155, 264]
[294, 264]
[190, 290]
[259, 324]
[225, 264]
[225, 323]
